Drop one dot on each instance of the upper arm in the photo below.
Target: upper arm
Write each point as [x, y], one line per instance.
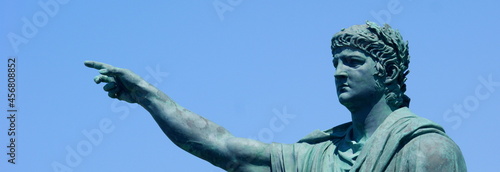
[246, 155]
[435, 152]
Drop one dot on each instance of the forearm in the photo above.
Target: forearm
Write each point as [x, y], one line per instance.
[186, 129]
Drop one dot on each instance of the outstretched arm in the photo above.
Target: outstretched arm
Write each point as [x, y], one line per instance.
[189, 131]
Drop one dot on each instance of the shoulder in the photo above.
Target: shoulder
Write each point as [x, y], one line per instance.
[434, 152]
[334, 133]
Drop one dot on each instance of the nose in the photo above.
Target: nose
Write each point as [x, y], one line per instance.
[340, 72]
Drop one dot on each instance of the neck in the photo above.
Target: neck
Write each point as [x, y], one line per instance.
[367, 119]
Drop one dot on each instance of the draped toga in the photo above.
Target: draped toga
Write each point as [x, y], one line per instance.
[403, 142]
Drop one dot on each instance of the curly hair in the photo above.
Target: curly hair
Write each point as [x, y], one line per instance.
[387, 49]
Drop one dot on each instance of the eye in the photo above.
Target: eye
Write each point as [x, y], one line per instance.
[335, 62]
[353, 61]
[348, 60]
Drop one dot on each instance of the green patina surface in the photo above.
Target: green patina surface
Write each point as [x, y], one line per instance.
[384, 135]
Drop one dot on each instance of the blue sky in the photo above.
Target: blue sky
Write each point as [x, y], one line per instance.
[242, 65]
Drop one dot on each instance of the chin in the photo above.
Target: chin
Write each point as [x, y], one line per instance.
[344, 98]
[349, 100]
[346, 104]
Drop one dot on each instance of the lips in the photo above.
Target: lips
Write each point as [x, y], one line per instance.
[342, 87]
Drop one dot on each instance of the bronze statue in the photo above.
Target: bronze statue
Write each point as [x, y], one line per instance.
[371, 67]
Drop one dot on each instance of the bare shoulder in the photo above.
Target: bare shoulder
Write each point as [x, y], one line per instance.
[434, 152]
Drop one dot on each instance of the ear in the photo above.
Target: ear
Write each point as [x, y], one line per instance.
[391, 74]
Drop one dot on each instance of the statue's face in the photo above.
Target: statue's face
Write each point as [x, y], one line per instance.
[355, 77]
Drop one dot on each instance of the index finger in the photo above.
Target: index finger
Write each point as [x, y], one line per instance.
[97, 65]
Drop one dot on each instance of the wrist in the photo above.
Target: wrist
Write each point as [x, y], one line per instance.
[148, 96]
[144, 92]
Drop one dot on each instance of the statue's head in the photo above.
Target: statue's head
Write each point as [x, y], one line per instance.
[389, 55]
